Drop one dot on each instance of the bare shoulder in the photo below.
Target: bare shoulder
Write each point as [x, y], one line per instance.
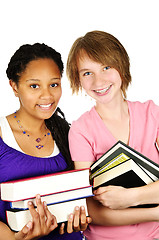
[10, 119]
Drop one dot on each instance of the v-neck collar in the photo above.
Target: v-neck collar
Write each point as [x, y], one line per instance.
[107, 131]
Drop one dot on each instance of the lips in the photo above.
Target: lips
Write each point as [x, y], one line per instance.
[102, 91]
[45, 106]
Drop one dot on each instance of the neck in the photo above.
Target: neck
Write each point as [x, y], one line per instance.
[113, 110]
[30, 123]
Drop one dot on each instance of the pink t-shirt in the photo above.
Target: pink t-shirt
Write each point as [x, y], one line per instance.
[89, 139]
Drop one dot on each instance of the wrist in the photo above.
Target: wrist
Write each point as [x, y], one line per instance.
[13, 236]
[153, 214]
[134, 196]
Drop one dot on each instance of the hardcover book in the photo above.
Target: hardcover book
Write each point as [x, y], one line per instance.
[17, 219]
[119, 153]
[44, 185]
[127, 174]
[56, 198]
[123, 166]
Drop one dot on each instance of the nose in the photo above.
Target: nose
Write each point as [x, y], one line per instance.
[45, 93]
[99, 79]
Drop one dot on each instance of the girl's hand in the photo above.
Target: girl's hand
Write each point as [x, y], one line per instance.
[77, 221]
[43, 222]
[115, 197]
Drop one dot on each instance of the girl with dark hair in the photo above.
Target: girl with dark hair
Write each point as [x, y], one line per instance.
[34, 139]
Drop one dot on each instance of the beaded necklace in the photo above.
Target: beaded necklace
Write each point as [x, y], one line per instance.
[38, 139]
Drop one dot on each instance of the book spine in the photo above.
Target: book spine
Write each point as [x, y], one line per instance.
[52, 203]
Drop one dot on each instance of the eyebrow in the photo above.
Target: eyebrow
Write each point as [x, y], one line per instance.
[38, 80]
[84, 70]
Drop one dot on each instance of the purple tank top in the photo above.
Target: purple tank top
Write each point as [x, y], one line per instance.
[16, 165]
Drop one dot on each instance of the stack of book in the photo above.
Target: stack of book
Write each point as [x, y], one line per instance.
[62, 192]
[123, 166]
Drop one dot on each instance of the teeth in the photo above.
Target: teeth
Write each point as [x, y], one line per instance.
[45, 106]
[103, 90]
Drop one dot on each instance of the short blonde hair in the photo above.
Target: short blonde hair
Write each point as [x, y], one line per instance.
[104, 48]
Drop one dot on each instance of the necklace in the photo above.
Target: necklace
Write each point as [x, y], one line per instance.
[38, 139]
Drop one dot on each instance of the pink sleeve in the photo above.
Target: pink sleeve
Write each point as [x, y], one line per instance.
[155, 113]
[80, 147]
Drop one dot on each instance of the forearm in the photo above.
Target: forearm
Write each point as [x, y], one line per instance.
[5, 232]
[107, 217]
[147, 194]
[116, 197]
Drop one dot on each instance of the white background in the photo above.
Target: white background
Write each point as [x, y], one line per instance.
[58, 23]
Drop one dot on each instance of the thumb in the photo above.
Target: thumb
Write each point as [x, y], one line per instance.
[23, 233]
[89, 220]
[100, 190]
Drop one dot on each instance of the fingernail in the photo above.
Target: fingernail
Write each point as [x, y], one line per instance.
[38, 196]
[76, 208]
[30, 203]
[62, 225]
[82, 208]
[29, 225]
[45, 204]
[71, 216]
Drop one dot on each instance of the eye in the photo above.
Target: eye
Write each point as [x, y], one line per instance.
[106, 68]
[53, 85]
[34, 86]
[87, 73]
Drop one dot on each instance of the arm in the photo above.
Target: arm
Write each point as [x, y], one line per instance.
[118, 197]
[103, 215]
[6, 233]
[43, 222]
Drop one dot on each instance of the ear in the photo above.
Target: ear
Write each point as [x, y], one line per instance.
[14, 87]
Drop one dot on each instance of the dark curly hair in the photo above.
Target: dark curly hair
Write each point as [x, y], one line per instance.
[27, 53]
[57, 123]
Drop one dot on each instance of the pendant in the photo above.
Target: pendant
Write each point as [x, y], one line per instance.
[39, 146]
[38, 140]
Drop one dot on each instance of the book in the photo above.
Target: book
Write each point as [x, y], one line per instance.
[127, 174]
[121, 152]
[121, 158]
[18, 218]
[48, 184]
[123, 166]
[56, 198]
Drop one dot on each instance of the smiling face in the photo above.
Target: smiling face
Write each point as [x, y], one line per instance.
[102, 83]
[39, 88]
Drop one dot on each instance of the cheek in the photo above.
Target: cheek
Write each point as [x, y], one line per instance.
[58, 95]
[85, 84]
[120, 82]
[117, 79]
[26, 98]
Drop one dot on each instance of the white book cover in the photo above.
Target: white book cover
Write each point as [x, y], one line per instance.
[56, 198]
[44, 185]
[17, 220]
